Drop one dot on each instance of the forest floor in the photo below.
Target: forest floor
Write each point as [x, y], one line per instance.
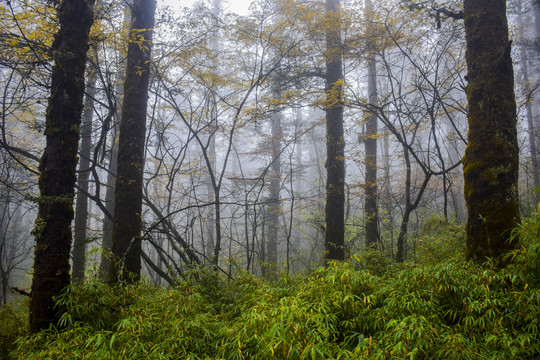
[436, 307]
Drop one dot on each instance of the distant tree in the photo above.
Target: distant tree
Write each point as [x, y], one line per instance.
[529, 93]
[81, 205]
[116, 98]
[419, 106]
[14, 238]
[335, 141]
[58, 163]
[127, 221]
[490, 165]
[274, 202]
[371, 212]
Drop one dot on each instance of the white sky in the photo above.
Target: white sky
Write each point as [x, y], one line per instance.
[236, 6]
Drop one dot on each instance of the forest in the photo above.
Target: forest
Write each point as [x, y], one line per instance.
[270, 179]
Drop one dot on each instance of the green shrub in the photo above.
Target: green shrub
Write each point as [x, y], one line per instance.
[440, 240]
[14, 320]
[448, 309]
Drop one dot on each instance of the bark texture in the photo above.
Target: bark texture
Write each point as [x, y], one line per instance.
[490, 164]
[58, 163]
[81, 208]
[335, 142]
[127, 222]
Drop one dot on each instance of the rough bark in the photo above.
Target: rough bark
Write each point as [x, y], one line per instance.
[127, 221]
[58, 163]
[335, 142]
[81, 207]
[490, 165]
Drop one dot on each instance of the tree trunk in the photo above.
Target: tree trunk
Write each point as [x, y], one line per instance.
[490, 165]
[274, 203]
[410, 205]
[210, 188]
[371, 212]
[81, 206]
[211, 145]
[402, 237]
[59, 161]
[335, 142]
[127, 221]
[106, 246]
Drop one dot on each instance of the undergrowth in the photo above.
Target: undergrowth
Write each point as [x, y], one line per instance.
[13, 324]
[444, 309]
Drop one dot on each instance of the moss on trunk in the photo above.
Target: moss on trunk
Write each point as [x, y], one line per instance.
[58, 163]
[490, 165]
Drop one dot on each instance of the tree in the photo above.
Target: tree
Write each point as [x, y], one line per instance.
[274, 203]
[490, 165]
[58, 163]
[127, 221]
[371, 212]
[335, 142]
[419, 104]
[105, 263]
[14, 238]
[81, 206]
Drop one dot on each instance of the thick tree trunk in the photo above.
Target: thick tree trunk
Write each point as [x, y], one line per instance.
[490, 165]
[58, 163]
[335, 142]
[127, 221]
[81, 206]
